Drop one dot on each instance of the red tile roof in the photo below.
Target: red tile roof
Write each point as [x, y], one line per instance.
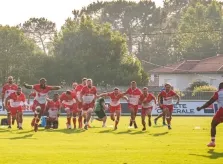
[209, 65]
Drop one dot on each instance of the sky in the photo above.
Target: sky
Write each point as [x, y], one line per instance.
[13, 12]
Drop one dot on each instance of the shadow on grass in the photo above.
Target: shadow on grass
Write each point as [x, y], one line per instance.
[158, 126]
[212, 154]
[66, 131]
[105, 131]
[28, 136]
[160, 134]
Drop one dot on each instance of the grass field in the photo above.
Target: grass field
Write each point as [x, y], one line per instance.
[183, 144]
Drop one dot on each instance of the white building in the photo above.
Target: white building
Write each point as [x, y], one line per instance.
[181, 74]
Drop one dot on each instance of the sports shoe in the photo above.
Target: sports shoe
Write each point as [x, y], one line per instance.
[33, 122]
[104, 126]
[86, 127]
[115, 128]
[169, 127]
[36, 127]
[13, 121]
[89, 126]
[150, 124]
[211, 144]
[144, 129]
[155, 121]
[92, 119]
[130, 124]
[164, 124]
[20, 128]
[135, 125]
[9, 127]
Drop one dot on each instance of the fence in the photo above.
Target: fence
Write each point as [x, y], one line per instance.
[185, 95]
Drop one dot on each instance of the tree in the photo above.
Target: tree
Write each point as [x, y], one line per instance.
[17, 54]
[41, 30]
[199, 34]
[93, 50]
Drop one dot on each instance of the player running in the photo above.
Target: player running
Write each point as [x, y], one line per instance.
[147, 106]
[69, 103]
[99, 110]
[168, 94]
[218, 118]
[161, 114]
[39, 103]
[78, 90]
[88, 96]
[53, 111]
[17, 101]
[115, 106]
[7, 89]
[133, 100]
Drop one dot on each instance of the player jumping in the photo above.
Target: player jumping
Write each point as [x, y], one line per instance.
[39, 102]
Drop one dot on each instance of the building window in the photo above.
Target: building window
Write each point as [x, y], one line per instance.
[212, 81]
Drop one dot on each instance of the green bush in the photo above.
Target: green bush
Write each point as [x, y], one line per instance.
[196, 84]
[206, 88]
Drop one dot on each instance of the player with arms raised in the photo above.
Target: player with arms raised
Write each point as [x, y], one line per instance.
[39, 103]
[88, 96]
[146, 101]
[133, 100]
[168, 94]
[218, 118]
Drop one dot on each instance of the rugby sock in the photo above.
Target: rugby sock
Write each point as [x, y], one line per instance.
[80, 122]
[68, 120]
[168, 120]
[9, 120]
[74, 121]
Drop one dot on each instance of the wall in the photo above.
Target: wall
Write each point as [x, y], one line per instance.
[182, 81]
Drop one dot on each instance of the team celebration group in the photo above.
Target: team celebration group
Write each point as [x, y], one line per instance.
[83, 99]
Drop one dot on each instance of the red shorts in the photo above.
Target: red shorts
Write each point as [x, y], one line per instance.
[169, 107]
[73, 108]
[79, 105]
[112, 109]
[88, 106]
[219, 115]
[146, 111]
[134, 107]
[13, 111]
[36, 103]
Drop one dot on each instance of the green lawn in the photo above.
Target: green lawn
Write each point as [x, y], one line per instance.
[183, 144]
